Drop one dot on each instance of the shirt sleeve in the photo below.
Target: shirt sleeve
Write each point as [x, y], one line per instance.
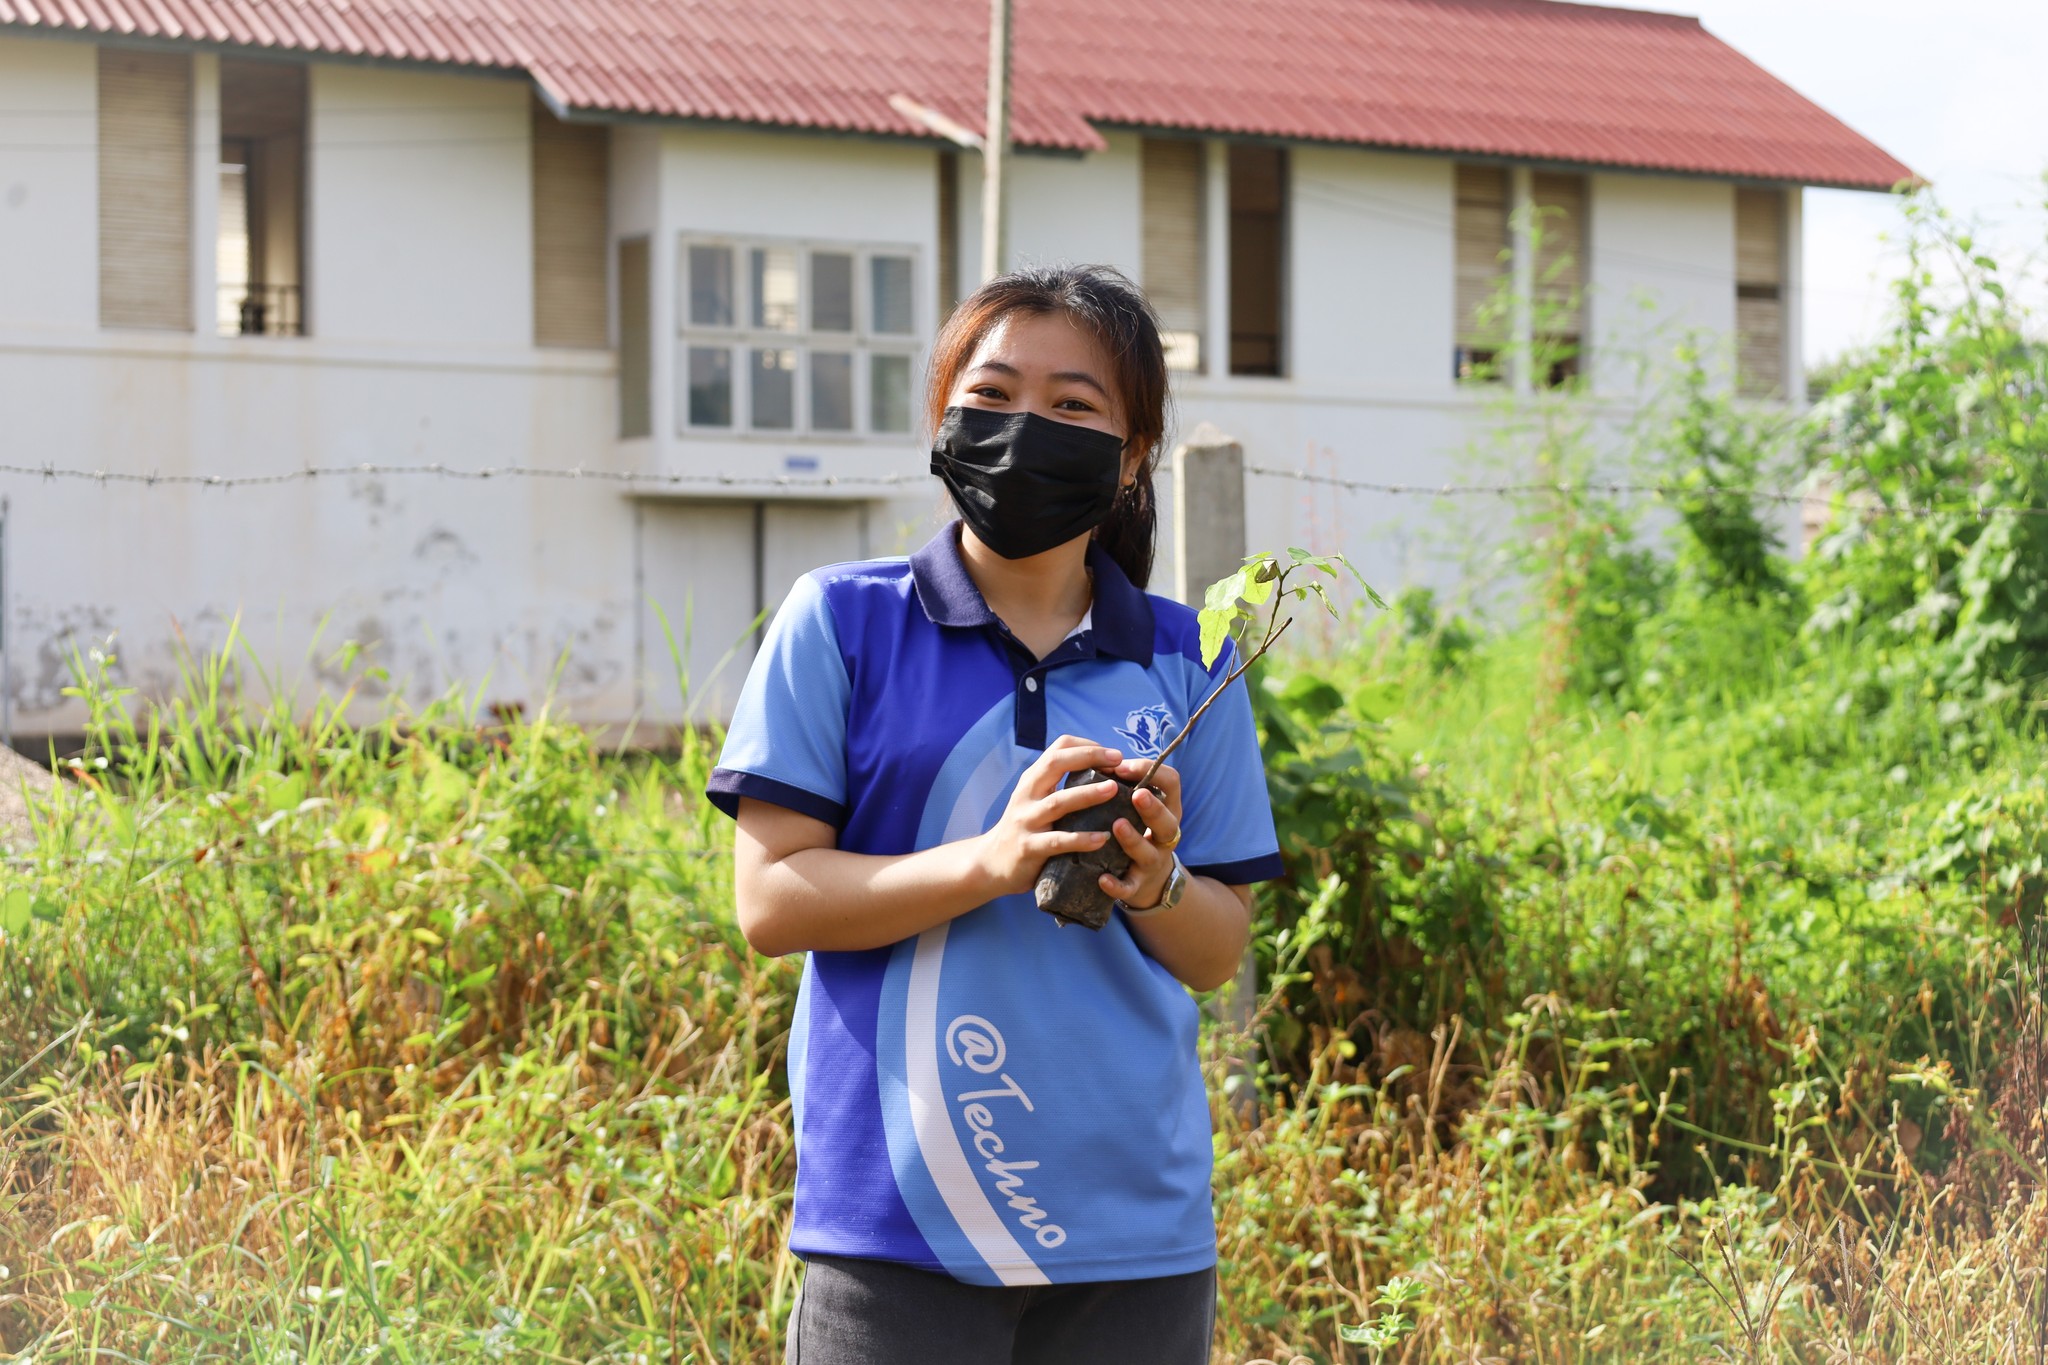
[787, 742]
[1226, 814]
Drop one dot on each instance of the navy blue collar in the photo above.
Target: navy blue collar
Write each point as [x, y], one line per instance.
[1123, 614]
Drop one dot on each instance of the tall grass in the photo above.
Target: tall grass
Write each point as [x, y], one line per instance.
[432, 1039]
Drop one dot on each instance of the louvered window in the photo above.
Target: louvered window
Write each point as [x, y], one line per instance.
[145, 187]
[571, 192]
[1258, 259]
[635, 341]
[1759, 292]
[1559, 310]
[1172, 263]
[1481, 231]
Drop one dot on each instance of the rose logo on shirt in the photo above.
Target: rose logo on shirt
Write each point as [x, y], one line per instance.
[1145, 730]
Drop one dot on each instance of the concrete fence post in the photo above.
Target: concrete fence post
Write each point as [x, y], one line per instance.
[1208, 512]
[1210, 542]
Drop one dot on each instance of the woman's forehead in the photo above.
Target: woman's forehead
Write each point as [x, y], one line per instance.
[1042, 342]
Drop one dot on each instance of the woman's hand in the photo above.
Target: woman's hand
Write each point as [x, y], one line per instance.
[1012, 854]
[1151, 852]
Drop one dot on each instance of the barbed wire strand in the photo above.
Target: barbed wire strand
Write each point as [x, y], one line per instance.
[1624, 488]
[1610, 487]
[156, 479]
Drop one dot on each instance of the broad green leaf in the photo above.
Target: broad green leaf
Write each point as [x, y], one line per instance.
[1224, 593]
[17, 907]
[1216, 626]
[1310, 697]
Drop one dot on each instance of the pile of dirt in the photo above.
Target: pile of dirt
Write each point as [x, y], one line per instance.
[19, 777]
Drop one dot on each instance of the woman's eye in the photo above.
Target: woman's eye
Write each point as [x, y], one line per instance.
[988, 391]
[1075, 405]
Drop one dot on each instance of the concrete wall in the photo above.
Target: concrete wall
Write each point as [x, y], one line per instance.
[1662, 265]
[1371, 276]
[421, 226]
[49, 176]
[1063, 209]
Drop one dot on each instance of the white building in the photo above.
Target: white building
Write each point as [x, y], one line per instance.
[701, 255]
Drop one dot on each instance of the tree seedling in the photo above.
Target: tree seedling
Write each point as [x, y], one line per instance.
[1069, 888]
[1383, 1333]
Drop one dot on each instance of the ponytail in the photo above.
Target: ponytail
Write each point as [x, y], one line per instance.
[1130, 534]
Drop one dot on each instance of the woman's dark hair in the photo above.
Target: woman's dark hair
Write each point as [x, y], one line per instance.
[1115, 312]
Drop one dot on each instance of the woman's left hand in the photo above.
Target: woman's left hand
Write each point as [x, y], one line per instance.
[1151, 852]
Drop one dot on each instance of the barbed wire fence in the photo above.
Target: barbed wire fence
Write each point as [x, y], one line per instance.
[831, 482]
[734, 484]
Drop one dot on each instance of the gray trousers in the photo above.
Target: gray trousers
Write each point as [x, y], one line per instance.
[855, 1312]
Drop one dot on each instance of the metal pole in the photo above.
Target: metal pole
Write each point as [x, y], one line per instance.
[995, 144]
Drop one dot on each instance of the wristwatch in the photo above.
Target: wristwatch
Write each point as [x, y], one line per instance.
[1176, 887]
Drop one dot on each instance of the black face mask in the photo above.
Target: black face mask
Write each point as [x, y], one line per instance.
[1025, 483]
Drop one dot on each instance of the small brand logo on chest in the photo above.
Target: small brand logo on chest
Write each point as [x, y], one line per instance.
[1146, 730]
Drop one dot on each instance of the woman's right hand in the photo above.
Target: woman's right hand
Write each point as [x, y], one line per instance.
[1012, 854]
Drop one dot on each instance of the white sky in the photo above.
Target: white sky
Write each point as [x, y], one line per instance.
[1953, 88]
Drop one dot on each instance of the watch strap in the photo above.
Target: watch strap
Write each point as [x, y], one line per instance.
[1169, 896]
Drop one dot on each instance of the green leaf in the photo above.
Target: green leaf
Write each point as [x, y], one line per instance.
[16, 909]
[1216, 625]
[1376, 701]
[1224, 593]
[285, 793]
[1258, 590]
[484, 974]
[1223, 604]
[1310, 697]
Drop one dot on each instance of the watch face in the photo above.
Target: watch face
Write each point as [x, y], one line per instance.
[1176, 886]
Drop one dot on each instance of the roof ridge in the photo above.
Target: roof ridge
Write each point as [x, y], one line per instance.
[1670, 17]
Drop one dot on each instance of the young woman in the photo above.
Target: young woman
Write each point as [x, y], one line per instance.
[1003, 1145]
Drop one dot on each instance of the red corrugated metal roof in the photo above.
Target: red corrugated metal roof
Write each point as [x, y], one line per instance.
[1524, 79]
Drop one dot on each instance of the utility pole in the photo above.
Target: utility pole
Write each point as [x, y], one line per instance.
[995, 144]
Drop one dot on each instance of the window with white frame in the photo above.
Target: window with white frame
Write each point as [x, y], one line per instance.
[796, 338]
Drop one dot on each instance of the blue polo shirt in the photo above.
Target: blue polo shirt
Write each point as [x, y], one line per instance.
[999, 1098]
